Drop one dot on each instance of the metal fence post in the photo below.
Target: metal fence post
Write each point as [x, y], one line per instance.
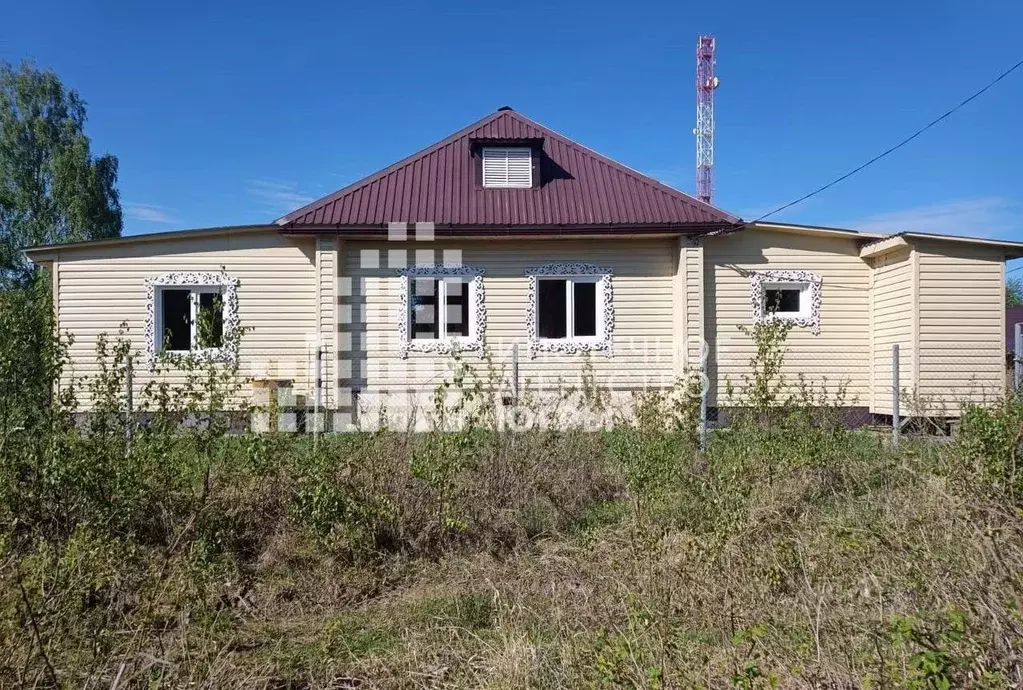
[515, 373]
[317, 395]
[895, 395]
[704, 388]
[1017, 359]
[129, 405]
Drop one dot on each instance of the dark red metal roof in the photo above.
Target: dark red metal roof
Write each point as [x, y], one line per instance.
[579, 188]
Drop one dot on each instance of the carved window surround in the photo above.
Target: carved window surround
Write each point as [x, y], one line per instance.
[603, 342]
[228, 353]
[476, 340]
[809, 284]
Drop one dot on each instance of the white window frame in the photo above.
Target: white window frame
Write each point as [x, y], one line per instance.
[196, 283]
[571, 273]
[193, 315]
[494, 155]
[809, 286]
[804, 310]
[443, 344]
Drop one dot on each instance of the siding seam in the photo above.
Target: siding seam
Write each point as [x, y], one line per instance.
[679, 327]
[915, 313]
[701, 259]
[56, 291]
[1002, 314]
[870, 320]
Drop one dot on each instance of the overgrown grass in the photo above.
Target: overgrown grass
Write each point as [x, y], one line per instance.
[792, 553]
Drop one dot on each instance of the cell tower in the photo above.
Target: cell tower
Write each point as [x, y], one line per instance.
[706, 83]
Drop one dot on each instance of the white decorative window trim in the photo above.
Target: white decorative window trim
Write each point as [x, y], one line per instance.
[478, 312]
[603, 343]
[758, 281]
[229, 352]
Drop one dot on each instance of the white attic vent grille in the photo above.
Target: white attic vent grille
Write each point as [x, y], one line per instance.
[507, 167]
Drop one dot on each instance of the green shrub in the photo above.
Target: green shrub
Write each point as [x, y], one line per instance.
[989, 443]
[790, 553]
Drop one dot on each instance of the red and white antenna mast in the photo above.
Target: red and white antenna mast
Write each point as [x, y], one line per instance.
[706, 83]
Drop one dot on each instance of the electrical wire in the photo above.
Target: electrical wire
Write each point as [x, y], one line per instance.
[898, 146]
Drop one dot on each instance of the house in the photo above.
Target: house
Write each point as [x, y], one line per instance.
[507, 237]
[1013, 315]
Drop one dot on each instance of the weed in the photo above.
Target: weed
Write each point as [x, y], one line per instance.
[791, 553]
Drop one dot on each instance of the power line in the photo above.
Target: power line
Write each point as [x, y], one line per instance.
[898, 146]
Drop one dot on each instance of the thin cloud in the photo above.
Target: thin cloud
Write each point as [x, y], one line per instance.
[149, 213]
[983, 217]
[277, 196]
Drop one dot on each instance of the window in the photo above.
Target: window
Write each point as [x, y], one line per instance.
[570, 308]
[507, 167]
[566, 308]
[794, 296]
[190, 318]
[440, 308]
[786, 299]
[443, 310]
[193, 313]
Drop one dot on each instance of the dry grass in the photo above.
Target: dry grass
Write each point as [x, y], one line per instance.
[792, 553]
[821, 569]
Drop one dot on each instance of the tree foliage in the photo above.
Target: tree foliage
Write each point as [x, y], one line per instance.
[1014, 292]
[52, 189]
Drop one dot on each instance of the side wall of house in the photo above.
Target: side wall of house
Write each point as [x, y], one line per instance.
[962, 325]
[893, 320]
[836, 357]
[644, 284]
[101, 287]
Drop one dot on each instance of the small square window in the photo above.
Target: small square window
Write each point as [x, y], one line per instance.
[786, 300]
[508, 167]
[782, 300]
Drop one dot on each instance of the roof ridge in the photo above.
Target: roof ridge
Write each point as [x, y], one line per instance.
[636, 174]
[384, 172]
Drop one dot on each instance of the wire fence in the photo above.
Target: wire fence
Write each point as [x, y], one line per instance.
[276, 405]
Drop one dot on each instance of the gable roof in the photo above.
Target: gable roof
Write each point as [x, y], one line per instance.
[579, 188]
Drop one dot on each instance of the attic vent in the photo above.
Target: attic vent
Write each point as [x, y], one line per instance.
[507, 167]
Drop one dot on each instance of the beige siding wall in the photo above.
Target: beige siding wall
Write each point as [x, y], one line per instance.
[839, 354]
[101, 287]
[669, 296]
[643, 285]
[962, 324]
[893, 309]
[678, 307]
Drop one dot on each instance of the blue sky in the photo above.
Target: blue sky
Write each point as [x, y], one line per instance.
[225, 113]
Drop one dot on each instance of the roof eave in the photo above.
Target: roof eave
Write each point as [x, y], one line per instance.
[1013, 250]
[462, 230]
[34, 252]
